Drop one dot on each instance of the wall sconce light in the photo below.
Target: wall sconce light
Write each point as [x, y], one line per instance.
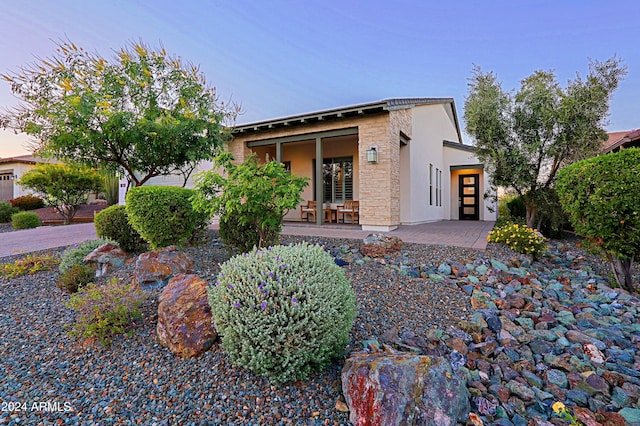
[372, 154]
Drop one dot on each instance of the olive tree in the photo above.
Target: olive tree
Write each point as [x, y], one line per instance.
[62, 186]
[525, 138]
[142, 113]
[601, 196]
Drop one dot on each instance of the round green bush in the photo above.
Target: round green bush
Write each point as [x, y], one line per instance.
[163, 215]
[283, 311]
[25, 220]
[75, 254]
[113, 223]
[27, 202]
[6, 211]
[242, 237]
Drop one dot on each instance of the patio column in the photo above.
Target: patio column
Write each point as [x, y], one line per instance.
[279, 152]
[319, 183]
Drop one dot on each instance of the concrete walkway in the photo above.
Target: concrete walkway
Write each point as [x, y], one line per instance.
[453, 233]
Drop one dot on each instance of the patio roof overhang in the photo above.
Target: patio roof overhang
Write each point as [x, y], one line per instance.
[343, 112]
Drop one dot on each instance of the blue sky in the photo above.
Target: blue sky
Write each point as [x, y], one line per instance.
[279, 58]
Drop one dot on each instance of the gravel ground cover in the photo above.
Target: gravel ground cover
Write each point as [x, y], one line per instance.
[46, 377]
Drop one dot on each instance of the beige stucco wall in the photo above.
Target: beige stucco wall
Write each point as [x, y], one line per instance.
[431, 125]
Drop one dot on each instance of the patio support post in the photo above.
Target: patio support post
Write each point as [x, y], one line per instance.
[279, 152]
[319, 183]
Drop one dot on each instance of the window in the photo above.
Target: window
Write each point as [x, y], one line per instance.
[430, 184]
[440, 187]
[338, 179]
[437, 186]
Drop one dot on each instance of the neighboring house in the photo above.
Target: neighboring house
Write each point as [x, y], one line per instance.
[402, 159]
[621, 140]
[11, 170]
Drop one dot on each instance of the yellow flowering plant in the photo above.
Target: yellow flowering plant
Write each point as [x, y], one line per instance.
[563, 412]
[519, 238]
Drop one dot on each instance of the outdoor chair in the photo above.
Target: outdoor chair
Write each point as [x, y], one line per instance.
[309, 210]
[350, 208]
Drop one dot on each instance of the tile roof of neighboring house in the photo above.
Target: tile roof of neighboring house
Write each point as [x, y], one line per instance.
[618, 139]
[348, 111]
[25, 159]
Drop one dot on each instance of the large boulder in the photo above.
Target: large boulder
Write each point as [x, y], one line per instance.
[379, 245]
[396, 388]
[155, 268]
[108, 257]
[185, 324]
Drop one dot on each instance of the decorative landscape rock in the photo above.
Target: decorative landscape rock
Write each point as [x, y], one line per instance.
[155, 268]
[379, 245]
[185, 325]
[108, 257]
[396, 388]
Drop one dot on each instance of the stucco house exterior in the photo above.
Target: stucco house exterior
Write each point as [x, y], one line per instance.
[402, 159]
[11, 170]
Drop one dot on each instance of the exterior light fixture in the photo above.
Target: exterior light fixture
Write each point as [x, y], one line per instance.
[372, 154]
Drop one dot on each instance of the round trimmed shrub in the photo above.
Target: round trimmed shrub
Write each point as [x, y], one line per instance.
[75, 254]
[27, 202]
[25, 220]
[519, 238]
[163, 215]
[6, 211]
[113, 223]
[284, 311]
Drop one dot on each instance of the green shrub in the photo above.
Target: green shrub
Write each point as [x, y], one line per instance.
[105, 311]
[283, 311]
[75, 278]
[600, 195]
[6, 211]
[237, 235]
[75, 254]
[163, 215]
[256, 196]
[112, 223]
[29, 264]
[27, 202]
[517, 209]
[519, 238]
[25, 220]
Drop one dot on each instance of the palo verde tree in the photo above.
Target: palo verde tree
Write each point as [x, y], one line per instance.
[142, 113]
[601, 196]
[65, 187]
[526, 138]
[251, 199]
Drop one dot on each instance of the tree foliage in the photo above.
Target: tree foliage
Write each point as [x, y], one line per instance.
[526, 137]
[143, 113]
[251, 195]
[62, 186]
[601, 196]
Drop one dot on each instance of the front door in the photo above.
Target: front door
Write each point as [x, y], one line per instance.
[6, 186]
[469, 197]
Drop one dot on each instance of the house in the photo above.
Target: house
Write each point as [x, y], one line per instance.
[621, 140]
[402, 159]
[11, 170]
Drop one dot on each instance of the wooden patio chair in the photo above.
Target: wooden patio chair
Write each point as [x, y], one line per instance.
[350, 208]
[309, 210]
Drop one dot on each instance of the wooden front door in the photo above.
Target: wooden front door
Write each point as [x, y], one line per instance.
[469, 197]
